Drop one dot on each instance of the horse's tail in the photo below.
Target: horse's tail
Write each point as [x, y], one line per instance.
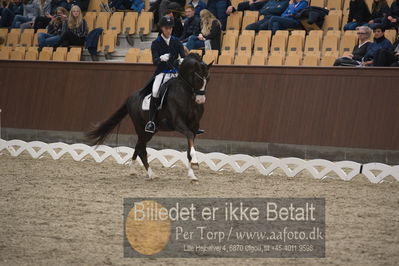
[100, 133]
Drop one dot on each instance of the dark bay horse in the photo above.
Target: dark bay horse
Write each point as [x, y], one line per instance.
[182, 112]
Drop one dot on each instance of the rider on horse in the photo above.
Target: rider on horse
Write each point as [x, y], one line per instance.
[166, 49]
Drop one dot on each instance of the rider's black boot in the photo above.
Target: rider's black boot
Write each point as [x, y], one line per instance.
[150, 126]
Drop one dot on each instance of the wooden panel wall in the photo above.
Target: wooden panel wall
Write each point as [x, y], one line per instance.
[339, 107]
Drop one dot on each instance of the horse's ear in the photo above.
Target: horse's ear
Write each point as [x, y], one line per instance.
[210, 64]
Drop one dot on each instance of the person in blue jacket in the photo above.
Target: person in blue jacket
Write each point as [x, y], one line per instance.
[198, 6]
[165, 49]
[271, 8]
[287, 20]
[380, 42]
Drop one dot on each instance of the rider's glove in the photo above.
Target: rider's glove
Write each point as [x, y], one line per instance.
[164, 57]
[180, 60]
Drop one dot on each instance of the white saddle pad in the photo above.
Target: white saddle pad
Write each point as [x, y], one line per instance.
[146, 102]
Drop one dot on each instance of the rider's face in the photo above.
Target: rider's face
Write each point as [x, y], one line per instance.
[167, 31]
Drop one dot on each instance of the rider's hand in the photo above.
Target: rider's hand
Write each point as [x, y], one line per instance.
[164, 57]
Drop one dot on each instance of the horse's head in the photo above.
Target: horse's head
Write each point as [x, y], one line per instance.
[196, 73]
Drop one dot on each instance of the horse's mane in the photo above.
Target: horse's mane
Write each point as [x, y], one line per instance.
[189, 62]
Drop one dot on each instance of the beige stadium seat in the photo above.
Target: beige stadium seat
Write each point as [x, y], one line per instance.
[330, 44]
[144, 23]
[233, 32]
[293, 60]
[267, 33]
[235, 3]
[332, 22]
[245, 44]
[134, 51]
[115, 22]
[145, 56]
[45, 55]
[234, 21]
[131, 58]
[285, 33]
[225, 59]
[3, 34]
[390, 35]
[27, 38]
[249, 32]
[60, 54]
[242, 59]
[73, 56]
[94, 5]
[17, 55]
[301, 33]
[4, 54]
[35, 40]
[13, 37]
[275, 60]
[334, 32]
[229, 44]
[279, 44]
[196, 51]
[328, 60]
[334, 4]
[102, 20]
[258, 60]
[347, 44]
[90, 18]
[130, 22]
[250, 13]
[109, 41]
[295, 44]
[318, 3]
[312, 44]
[32, 54]
[311, 60]
[211, 56]
[261, 45]
[248, 20]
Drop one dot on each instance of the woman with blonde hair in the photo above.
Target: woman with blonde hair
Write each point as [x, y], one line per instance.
[210, 33]
[74, 30]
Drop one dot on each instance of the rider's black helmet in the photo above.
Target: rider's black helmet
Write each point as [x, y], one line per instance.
[166, 21]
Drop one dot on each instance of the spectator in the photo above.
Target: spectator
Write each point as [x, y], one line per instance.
[392, 20]
[359, 51]
[287, 19]
[385, 57]
[210, 33]
[198, 5]
[379, 11]
[31, 11]
[74, 30]
[271, 8]
[191, 24]
[359, 14]
[252, 5]
[8, 10]
[54, 29]
[380, 42]
[220, 9]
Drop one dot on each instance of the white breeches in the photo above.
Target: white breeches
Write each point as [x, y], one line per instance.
[159, 80]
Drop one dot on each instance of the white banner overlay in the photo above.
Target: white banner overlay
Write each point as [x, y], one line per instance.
[265, 165]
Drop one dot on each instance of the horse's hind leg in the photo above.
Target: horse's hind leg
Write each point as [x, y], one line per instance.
[141, 151]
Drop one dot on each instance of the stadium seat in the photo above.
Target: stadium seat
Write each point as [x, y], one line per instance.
[347, 43]
[196, 51]
[261, 45]
[3, 34]
[249, 32]
[211, 55]
[73, 56]
[245, 43]
[295, 44]
[235, 3]
[334, 32]
[32, 54]
[293, 60]
[234, 21]
[334, 4]
[285, 33]
[275, 60]
[131, 58]
[35, 40]
[390, 35]
[332, 22]
[330, 44]
[318, 3]
[4, 54]
[144, 23]
[94, 5]
[109, 41]
[60, 54]
[311, 60]
[242, 59]
[27, 38]
[102, 20]
[328, 60]
[130, 22]
[279, 44]
[45, 55]
[229, 44]
[225, 59]
[248, 20]
[17, 55]
[90, 18]
[115, 22]
[258, 60]
[13, 37]
[312, 44]
[301, 33]
[145, 56]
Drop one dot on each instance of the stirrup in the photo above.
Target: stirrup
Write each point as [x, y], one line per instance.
[200, 131]
[150, 127]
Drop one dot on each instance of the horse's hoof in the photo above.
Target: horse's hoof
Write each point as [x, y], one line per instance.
[194, 182]
[195, 166]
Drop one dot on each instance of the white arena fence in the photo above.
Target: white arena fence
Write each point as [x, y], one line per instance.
[265, 165]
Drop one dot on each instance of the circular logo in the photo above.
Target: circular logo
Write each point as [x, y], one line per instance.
[146, 230]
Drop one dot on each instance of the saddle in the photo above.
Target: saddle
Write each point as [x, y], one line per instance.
[146, 95]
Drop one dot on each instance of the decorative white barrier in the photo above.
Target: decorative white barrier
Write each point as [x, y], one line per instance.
[265, 165]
